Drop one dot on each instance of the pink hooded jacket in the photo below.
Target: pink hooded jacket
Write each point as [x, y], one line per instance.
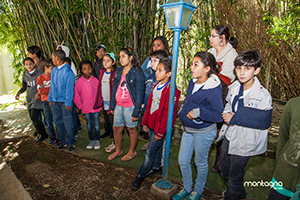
[85, 94]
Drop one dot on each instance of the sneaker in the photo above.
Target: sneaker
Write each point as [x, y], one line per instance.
[52, 141]
[145, 146]
[91, 144]
[97, 144]
[180, 195]
[110, 148]
[62, 146]
[71, 148]
[195, 196]
[76, 136]
[37, 137]
[56, 143]
[137, 182]
[42, 138]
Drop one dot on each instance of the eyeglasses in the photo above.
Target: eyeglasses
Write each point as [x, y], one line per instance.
[213, 36]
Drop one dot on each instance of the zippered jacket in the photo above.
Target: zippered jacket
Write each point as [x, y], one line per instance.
[99, 98]
[62, 85]
[135, 82]
[85, 94]
[206, 104]
[159, 118]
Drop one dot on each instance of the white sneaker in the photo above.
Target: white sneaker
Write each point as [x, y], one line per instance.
[110, 148]
[97, 145]
[90, 145]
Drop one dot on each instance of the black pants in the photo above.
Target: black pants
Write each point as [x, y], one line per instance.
[109, 121]
[38, 124]
[233, 170]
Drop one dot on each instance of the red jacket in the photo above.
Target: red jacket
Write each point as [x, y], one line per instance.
[43, 82]
[158, 119]
[99, 98]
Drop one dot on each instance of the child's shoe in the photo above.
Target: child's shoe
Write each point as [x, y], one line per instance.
[114, 155]
[42, 138]
[145, 146]
[97, 144]
[56, 143]
[180, 195]
[137, 182]
[62, 146]
[52, 141]
[195, 196]
[91, 144]
[71, 148]
[129, 156]
[110, 148]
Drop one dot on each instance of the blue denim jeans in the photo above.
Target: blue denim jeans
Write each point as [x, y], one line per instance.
[200, 142]
[122, 116]
[232, 168]
[92, 124]
[64, 122]
[152, 155]
[49, 119]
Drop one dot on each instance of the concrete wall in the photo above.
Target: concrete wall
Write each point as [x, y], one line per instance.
[6, 73]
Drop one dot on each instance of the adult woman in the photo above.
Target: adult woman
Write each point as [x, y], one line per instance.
[223, 48]
[35, 53]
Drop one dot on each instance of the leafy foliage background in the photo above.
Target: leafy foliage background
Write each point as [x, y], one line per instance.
[271, 26]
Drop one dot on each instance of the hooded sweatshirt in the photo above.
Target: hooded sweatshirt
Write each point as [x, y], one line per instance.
[67, 52]
[29, 84]
[226, 61]
[206, 104]
[85, 94]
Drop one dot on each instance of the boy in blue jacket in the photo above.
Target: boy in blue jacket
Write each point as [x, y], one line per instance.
[61, 100]
[248, 114]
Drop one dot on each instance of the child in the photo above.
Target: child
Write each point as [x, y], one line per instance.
[99, 52]
[43, 82]
[126, 100]
[34, 106]
[248, 113]
[159, 43]
[67, 52]
[84, 98]
[155, 56]
[155, 121]
[61, 100]
[286, 180]
[201, 109]
[104, 92]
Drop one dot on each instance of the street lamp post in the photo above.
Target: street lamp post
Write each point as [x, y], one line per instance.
[178, 14]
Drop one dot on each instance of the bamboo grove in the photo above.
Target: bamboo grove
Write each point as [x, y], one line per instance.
[271, 26]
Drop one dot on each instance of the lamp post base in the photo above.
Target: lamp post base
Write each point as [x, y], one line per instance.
[163, 193]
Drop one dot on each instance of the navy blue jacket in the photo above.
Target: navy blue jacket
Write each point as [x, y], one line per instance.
[207, 106]
[135, 82]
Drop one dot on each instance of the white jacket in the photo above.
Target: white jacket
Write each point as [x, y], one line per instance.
[245, 141]
[226, 57]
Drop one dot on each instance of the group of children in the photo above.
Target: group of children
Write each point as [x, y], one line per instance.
[121, 94]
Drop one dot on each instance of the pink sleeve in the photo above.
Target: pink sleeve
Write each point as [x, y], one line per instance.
[77, 95]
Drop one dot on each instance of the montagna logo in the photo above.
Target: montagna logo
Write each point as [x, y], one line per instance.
[262, 183]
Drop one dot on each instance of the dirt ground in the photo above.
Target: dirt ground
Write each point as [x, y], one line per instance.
[47, 173]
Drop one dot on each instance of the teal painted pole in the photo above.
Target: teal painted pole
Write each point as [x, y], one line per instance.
[163, 183]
